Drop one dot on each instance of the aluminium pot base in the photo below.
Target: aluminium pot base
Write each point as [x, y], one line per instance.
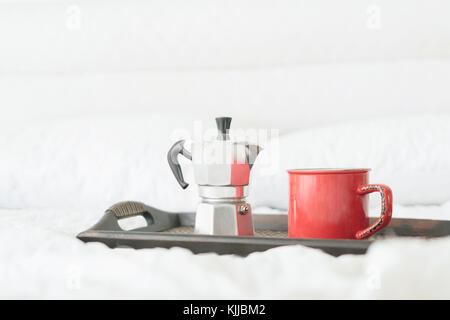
[270, 232]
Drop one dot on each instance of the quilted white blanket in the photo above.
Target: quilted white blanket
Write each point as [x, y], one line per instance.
[41, 258]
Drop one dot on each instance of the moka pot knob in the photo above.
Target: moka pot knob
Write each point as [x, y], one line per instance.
[223, 125]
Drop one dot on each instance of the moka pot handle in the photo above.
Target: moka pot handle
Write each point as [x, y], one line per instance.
[172, 158]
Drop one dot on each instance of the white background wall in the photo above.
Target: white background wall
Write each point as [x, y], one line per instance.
[284, 64]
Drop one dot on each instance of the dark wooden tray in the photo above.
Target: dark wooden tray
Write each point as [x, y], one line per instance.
[270, 233]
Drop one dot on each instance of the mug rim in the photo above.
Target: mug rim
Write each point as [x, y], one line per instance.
[327, 170]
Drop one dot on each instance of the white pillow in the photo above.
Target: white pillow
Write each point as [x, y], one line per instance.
[97, 161]
[92, 162]
[410, 154]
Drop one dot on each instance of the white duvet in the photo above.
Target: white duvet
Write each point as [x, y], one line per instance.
[40, 257]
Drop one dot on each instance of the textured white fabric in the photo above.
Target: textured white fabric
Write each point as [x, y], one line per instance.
[97, 161]
[41, 258]
[92, 162]
[410, 154]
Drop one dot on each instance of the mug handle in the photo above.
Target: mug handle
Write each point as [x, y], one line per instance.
[386, 209]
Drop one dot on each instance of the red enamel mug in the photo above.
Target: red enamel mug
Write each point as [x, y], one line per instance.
[333, 204]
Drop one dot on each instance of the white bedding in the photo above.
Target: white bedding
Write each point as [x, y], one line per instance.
[41, 258]
[74, 169]
[97, 161]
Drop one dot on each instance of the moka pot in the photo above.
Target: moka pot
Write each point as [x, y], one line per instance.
[222, 172]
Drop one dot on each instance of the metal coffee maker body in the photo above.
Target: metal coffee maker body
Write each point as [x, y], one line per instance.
[222, 171]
